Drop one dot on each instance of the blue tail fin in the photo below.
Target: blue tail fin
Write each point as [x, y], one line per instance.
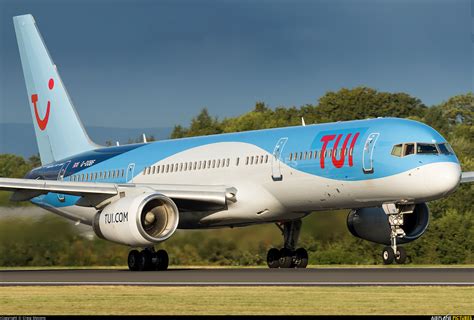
[59, 132]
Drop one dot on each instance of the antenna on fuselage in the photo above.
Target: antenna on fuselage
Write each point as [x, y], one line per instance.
[144, 138]
[117, 143]
[302, 122]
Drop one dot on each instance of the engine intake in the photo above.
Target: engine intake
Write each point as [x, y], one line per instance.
[141, 220]
[372, 224]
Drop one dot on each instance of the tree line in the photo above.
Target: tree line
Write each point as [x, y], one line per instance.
[50, 240]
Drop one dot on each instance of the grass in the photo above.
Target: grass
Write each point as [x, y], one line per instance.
[131, 300]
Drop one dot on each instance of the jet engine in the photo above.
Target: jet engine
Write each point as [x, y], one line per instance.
[137, 221]
[372, 224]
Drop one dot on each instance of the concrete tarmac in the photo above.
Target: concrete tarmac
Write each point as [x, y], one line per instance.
[244, 277]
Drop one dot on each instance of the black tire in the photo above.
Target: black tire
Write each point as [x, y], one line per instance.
[273, 257]
[387, 255]
[286, 258]
[400, 255]
[162, 260]
[133, 260]
[145, 261]
[301, 260]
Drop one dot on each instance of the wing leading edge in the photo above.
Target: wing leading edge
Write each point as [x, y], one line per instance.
[467, 177]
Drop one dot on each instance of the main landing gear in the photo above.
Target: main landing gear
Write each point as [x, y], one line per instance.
[395, 215]
[288, 256]
[148, 260]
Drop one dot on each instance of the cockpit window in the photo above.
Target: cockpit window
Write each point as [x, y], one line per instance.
[397, 150]
[409, 149]
[406, 149]
[445, 148]
[426, 148]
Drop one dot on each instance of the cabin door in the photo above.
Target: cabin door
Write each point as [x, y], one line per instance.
[276, 159]
[368, 153]
[61, 174]
[130, 169]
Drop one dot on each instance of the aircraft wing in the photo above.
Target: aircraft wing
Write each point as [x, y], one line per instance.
[93, 194]
[467, 177]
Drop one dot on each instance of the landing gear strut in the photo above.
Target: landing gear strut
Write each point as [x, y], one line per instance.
[148, 260]
[395, 215]
[288, 256]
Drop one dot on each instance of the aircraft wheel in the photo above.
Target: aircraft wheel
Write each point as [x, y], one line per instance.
[301, 260]
[387, 255]
[133, 258]
[273, 258]
[286, 258]
[400, 255]
[145, 260]
[162, 260]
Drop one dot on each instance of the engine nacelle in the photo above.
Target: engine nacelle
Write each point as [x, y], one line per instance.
[372, 224]
[138, 221]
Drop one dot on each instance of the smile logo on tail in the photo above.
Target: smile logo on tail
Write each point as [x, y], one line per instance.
[42, 123]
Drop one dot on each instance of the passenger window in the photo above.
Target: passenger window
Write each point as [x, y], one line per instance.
[213, 164]
[305, 155]
[227, 162]
[266, 158]
[237, 162]
[310, 155]
[291, 157]
[261, 158]
[426, 148]
[175, 167]
[123, 173]
[204, 164]
[251, 160]
[409, 149]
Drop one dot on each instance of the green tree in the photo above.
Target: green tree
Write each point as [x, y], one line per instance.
[202, 125]
[363, 102]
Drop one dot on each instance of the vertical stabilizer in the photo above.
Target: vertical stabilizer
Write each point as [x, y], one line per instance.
[59, 131]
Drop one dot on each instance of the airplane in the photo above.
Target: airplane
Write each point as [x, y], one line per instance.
[382, 170]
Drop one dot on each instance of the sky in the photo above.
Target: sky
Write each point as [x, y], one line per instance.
[146, 63]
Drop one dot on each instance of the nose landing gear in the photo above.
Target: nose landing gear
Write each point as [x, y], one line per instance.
[395, 219]
[148, 260]
[288, 256]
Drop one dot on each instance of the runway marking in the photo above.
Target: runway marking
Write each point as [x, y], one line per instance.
[242, 284]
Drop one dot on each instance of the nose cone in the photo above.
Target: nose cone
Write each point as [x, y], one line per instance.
[444, 178]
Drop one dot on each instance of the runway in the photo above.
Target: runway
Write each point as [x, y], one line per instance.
[244, 277]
